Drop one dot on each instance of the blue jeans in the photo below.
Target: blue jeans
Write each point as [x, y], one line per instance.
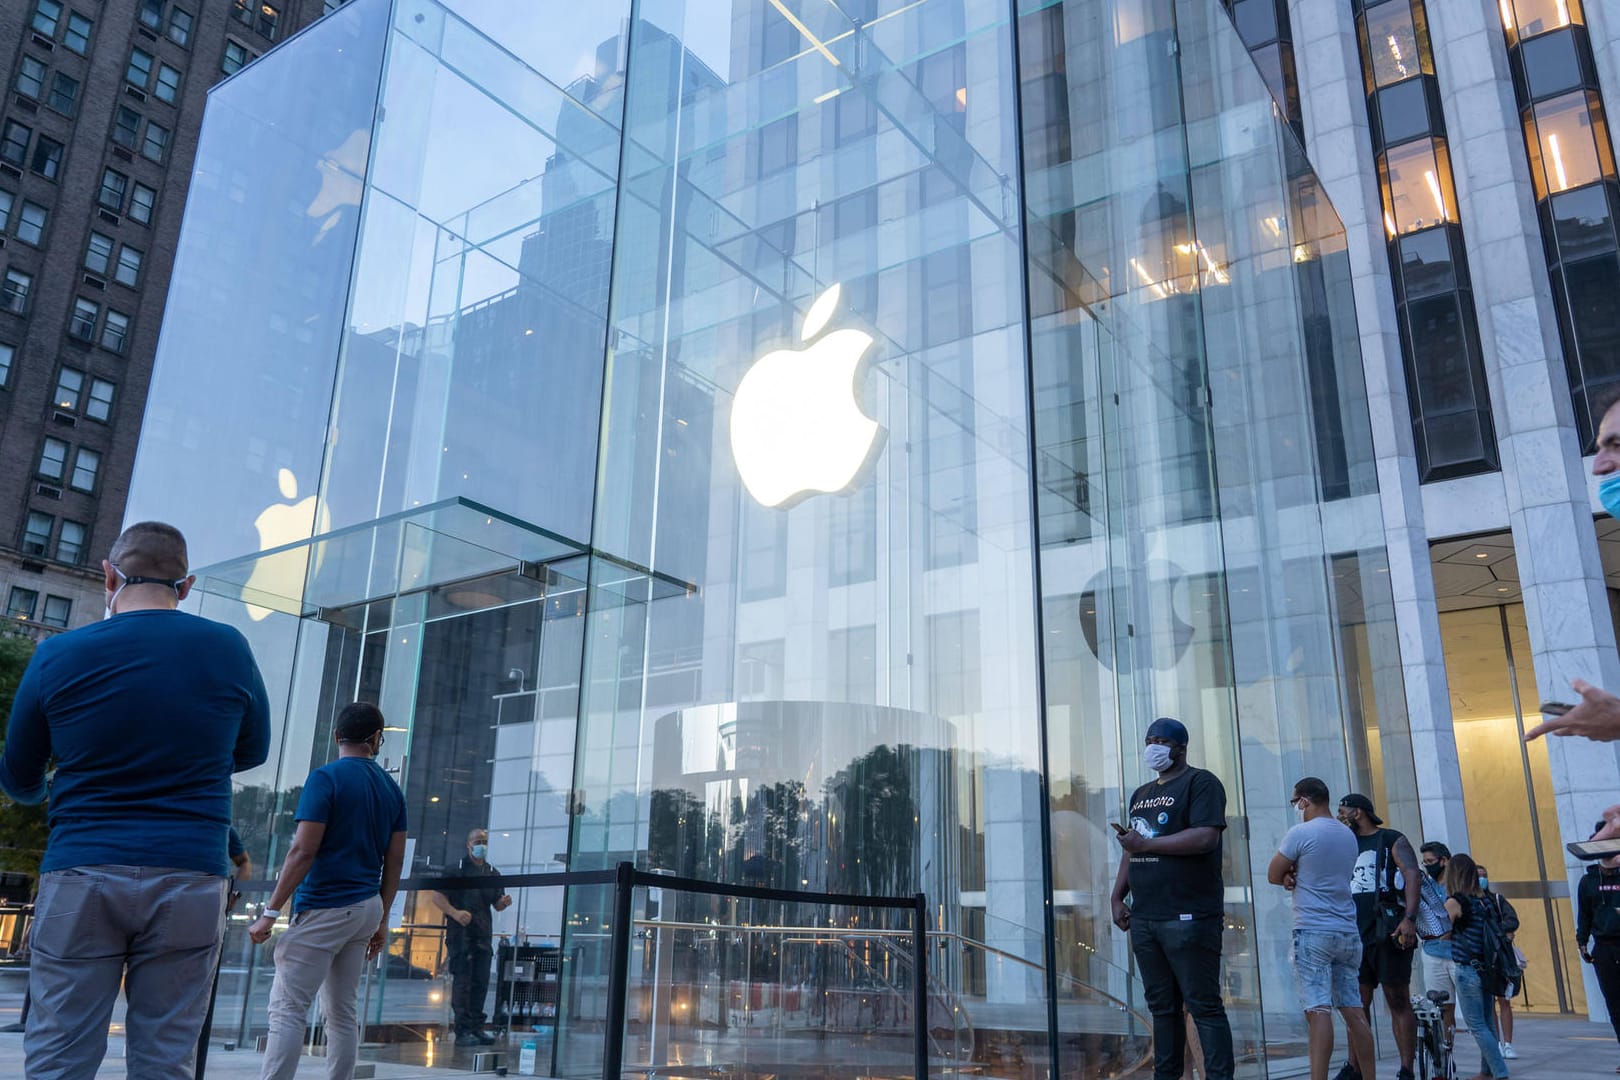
[1479, 1012]
[1327, 966]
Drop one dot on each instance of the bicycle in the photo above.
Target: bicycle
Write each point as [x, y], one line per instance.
[1434, 1061]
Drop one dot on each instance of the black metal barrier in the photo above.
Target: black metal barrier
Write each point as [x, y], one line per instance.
[625, 878]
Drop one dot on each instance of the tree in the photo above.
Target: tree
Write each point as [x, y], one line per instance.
[23, 829]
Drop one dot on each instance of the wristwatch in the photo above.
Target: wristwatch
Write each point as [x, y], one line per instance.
[269, 913]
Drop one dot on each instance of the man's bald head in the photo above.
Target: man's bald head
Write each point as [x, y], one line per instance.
[150, 549]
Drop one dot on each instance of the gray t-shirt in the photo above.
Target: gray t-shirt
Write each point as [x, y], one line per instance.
[1324, 852]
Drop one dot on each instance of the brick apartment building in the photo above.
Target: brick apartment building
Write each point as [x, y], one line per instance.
[102, 104]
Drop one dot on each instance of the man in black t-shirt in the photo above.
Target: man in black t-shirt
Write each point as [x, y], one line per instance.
[1387, 890]
[469, 939]
[1171, 871]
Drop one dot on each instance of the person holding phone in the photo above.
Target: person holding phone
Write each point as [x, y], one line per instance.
[1387, 893]
[1171, 874]
[1597, 927]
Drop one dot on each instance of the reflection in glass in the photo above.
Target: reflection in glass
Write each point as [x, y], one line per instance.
[1395, 42]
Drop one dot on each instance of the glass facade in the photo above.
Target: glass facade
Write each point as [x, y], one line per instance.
[799, 445]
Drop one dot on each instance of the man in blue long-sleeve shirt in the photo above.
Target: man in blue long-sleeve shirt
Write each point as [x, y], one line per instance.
[146, 716]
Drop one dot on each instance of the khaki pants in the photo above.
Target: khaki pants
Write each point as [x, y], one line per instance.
[325, 950]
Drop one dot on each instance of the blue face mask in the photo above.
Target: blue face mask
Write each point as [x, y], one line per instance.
[1609, 494]
[479, 851]
[1485, 884]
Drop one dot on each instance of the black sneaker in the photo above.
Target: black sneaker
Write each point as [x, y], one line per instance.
[1348, 1072]
[1403, 1073]
[468, 1038]
[486, 1038]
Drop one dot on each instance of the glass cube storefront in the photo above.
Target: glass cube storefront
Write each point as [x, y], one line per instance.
[783, 443]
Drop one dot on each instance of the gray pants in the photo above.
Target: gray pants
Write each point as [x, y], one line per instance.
[157, 931]
[324, 949]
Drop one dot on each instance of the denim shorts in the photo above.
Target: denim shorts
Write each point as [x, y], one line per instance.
[1326, 968]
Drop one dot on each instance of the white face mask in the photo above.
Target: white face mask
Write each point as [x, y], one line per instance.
[1159, 757]
[1299, 813]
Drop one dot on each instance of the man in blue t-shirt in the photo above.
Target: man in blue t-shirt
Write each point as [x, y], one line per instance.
[344, 864]
[146, 715]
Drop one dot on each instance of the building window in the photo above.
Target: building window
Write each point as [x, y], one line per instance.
[71, 543]
[257, 14]
[99, 407]
[139, 71]
[7, 201]
[168, 84]
[129, 267]
[98, 253]
[236, 56]
[1416, 181]
[113, 186]
[31, 77]
[57, 610]
[152, 14]
[47, 13]
[778, 145]
[180, 27]
[141, 201]
[53, 459]
[1568, 144]
[14, 142]
[85, 466]
[85, 316]
[31, 221]
[126, 126]
[14, 291]
[77, 37]
[47, 157]
[69, 385]
[1528, 18]
[8, 353]
[20, 604]
[1396, 43]
[64, 94]
[114, 331]
[37, 533]
[156, 143]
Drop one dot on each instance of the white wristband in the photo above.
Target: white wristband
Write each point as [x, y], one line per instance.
[269, 913]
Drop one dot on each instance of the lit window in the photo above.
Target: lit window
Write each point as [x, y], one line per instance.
[99, 407]
[20, 605]
[180, 27]
[113, 186]
[85, 316]
[126, 126]
[14, 143]
[85, 466]
[14, 291]
[129, 267]
[168, 84]
[47, 13]
[236, 55]
[57, 610]
[156, 143]
[1568, 145]
[1527, 18]
[1416, 182]
[70, 543]
[30, 77]
[139, 71]
[152, 14]
[77, 37]
[31, 223]
[141, 201]
[268, 20]
[53, 459]
[47, 158]
[64, 94]
[8, 353]
[1397, 44]
[98, 253]
[37, 533]
[114, 331]
[69, 385]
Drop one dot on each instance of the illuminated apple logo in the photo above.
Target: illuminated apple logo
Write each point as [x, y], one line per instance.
[281, 524]
[796, 427]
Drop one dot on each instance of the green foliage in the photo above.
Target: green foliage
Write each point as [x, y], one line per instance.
[23, 829]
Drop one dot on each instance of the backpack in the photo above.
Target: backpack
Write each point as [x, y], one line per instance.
[1500, 974]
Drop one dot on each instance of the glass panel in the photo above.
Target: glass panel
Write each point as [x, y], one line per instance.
[1397, 42]
[1416, 182]
[1427, 268]
[1591, 286]
[1562, 137]
[1527, 18]
[1584, 222]
[290, 231]
[1403, 111]
[1551, 63]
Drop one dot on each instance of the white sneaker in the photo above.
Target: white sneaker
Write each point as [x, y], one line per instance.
[1508, 1052]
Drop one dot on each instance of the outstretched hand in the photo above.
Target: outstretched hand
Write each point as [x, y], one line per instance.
[1597, 717]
